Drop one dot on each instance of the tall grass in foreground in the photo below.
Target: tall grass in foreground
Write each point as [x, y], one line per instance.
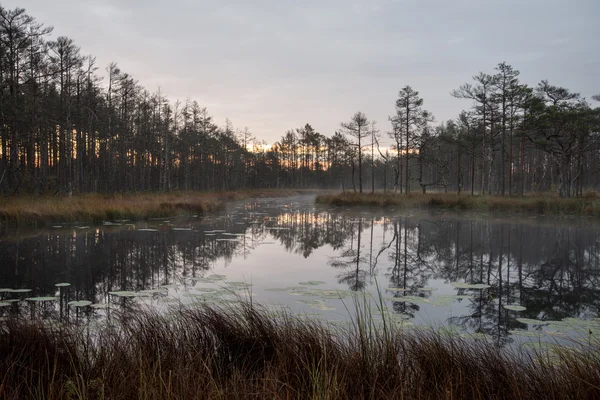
[587, 205]
[247, 352]
[37, 211]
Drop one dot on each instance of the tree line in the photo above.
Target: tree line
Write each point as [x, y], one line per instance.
[64, 128]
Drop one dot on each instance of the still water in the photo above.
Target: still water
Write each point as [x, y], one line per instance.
[440, 269]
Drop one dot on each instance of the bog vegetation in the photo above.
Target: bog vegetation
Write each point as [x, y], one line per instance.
[91, 207]
[69, 125]
[246, 352]
[589, 204]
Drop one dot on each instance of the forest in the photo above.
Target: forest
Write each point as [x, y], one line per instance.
[68, 125]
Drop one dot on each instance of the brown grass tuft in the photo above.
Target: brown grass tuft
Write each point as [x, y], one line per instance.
[221, 352]
[39, 211]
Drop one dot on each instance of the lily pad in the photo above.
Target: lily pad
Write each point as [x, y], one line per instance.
[312, 283]
[216, 277]
[79, 303]
[48, 298]
[394, 289]
[322, 307]
[4, 304]
[310, 302]
[530, 321]
[427, 289]
[123, 293]
[62, 284]
[239, 284]
[514, 307]
[154, 291]
[19, 290]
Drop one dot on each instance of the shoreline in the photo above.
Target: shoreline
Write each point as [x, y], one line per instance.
[35, 212]
[529, 204]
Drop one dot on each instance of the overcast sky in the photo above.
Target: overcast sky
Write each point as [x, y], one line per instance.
[272, 65]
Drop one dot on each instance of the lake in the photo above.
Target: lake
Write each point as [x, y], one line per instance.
[505, 278]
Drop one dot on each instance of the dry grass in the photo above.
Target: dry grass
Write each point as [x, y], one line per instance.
[543, 204]
[38, 211]
[211, 352]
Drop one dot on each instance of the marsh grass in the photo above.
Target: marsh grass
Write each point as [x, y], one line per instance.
[244, 351]
[39, 211]
[538, 203]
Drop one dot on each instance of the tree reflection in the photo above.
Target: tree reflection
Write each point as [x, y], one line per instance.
[554, 271]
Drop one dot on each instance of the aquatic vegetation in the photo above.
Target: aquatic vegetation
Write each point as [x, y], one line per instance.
[62, 284]
[107, 209]
[80, 303]
[281, 357]
[161, 292]
[312, 283]
[18, 290]
[514, 307]
[239, 285]
[216, 277]
[530, 321]
[461, 285]
[394, 289]
[545, 204]
[123, 293]
[41, 299]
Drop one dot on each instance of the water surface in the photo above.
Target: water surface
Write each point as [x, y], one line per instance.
[312, 259]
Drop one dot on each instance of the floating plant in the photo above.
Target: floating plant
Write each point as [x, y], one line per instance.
[41, 299]
[80, 303]
[123, 293]
[514, 307]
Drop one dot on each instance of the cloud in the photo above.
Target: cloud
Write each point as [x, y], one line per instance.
[273, 65]
[456, 40]
[558, 41]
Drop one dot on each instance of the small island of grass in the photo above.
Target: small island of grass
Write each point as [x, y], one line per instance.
[588, 205]
[43, 210]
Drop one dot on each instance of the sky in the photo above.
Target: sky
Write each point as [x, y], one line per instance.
[275, 65]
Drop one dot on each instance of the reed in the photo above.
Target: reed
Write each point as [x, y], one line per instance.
[44, 210]
[244, 351]
[543, 204]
